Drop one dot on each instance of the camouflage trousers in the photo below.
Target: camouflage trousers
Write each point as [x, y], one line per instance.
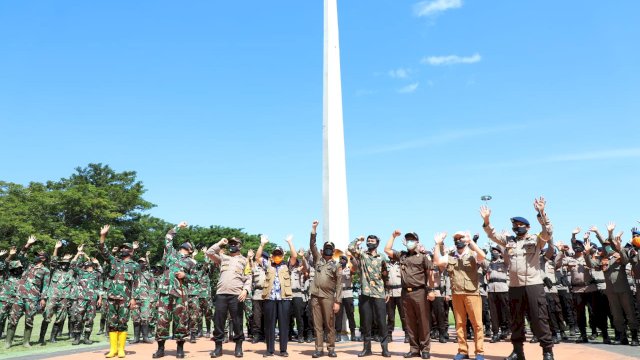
[25, 307]
[206, 309]
[117, 315]
[153, 319]
[194, 313]
[58, 307]
[142, 312]
[248, 314]
[172, 309]
[82, 314]
[5, 310]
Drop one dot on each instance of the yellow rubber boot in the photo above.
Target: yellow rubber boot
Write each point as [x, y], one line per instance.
[122, 339]
[113, 341]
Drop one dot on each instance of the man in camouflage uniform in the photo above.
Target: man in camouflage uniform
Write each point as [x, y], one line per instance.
[172, 306]
[193, 302]
[123, 281]
[12, 275]
[157, 271]
[56, 298]
[105, 285]
[31, 289]
[205, 303]
[87, 294]
[141, 314]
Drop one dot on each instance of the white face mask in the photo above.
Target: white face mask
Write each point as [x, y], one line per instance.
[411, 244]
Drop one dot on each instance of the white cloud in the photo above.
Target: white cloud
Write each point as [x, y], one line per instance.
[433, 7]
[399, 73]
[451, 59]
[409, 88]
[608, 154]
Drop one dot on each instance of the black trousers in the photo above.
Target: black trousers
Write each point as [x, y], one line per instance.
[556, 321]
[568, 308]
[439, 315]
[228, 304]
[297, 310]
[393, 303]
[621, 306]
[486, 314]
[308, 320]
[347, 305]
[276, 310]
[257, 328]
[373, 308]
[499, 308]
[529, 300]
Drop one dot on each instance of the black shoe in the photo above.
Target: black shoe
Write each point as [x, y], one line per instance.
[238, 352]
[515, 356]
[308, 339]
[425, 355]
[582, 340]
[136, 334]
[267, 354]
[85, 339]
[469, 336]
[410, 355]
[534, 339]
[634, 338]
[353, 336]
[284, 354]
[406, 339]
[145, 334]
[563, 336]
[385, 350]
[572, 332]
[300, 339]
[366, 350]
[593, 336]
[317, 354]
[160, 352]
[547, 354]
[54, 334]
[255, 340]
[76, 339]
[332, 353]
[217, 352]
[606, 340]
[180, 350]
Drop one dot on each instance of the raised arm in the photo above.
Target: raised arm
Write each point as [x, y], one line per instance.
[103, 249]
[312, 242]
[264, 240]
[547, 230]
[354, 246]
[214, 251]
[480, 255]
[439, 260]
[499, 239]
[388, 249]
[293, 258]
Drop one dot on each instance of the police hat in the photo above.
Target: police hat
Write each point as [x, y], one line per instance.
[15, 264]
[520, 219]
[496, 248]
[329, 244]
[635, 231]
[411, 235]
[265, 254]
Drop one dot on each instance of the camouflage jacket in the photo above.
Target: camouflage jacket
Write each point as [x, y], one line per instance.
[371, 268]
[9, 287]
[204, 279]
[62, 282]
[146, 286]
[122, 279]
[87, 282]
[34, 283]
[176, 262]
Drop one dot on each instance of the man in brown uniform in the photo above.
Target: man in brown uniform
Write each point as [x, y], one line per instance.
[415, 271]
[326, 293]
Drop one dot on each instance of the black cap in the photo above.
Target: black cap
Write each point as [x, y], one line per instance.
[186, 246]
[329, 244]
[411, 235]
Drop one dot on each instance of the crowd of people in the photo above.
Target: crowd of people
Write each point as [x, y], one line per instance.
[524, 277]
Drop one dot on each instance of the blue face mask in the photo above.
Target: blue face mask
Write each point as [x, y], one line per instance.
[608, 249]
[519, 230]
[411, 244]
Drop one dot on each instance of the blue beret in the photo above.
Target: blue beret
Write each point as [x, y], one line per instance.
[520, 219]
[635, 232]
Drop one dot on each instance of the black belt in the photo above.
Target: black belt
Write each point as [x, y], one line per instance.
[581, 284]
[296, 290]
[412, 289]
[391, 287]
[258, 288]
[497, 280]
[594, 281]
[347, 288]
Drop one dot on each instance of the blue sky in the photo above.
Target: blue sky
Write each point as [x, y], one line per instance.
[218, 107]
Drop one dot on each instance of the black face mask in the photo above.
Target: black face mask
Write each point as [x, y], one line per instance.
[16, 272]
[519, 230]
[495, 256]
[37, 259]
[124, 254]
[327, 252]
[234, 249]
[372, 246]
[343, 263]
[64, 267]
[460, 244]
[578, 249]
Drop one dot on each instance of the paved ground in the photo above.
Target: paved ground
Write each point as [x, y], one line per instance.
[498, 351]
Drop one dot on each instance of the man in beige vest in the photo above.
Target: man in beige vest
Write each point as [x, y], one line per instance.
[465, 285]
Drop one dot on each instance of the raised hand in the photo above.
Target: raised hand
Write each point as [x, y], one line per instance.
[314, 224]
[289, 238]
[13, 250]
[3, 252]
[105, 230]
[439, 238]
[264, 240]
[485, 212]
[593, 228]
[67, 257]
[81, 248]
[396, 233]
[195, 252]
[250, 254]
[135, 245]
[58, 244]
[183, 225]
[539, 204]
[95, 261]
[576, 231]
[149, 252]
[586, 236]
[617, 241]
[611, 226]
[223, 241]
[587, 245]
[31, 240]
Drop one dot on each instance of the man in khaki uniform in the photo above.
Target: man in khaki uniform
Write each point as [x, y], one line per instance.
[393, 288]
[326, 293]
[498, 295]
[465, 285]
[526, 292]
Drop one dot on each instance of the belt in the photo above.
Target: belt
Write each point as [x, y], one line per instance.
[580, 284]
[391, 287]
[296, 290]
[497, 280]
[408, 289]
[347, 288]
[598, 281]
[257, 288]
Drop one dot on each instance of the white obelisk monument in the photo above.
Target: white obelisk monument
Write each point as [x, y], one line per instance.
[335, 225]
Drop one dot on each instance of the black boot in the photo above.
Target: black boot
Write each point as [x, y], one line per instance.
[353, 335]
[495, 338]
[442, 339]
[517, 353]
[180, 349]
[217, 352]
[86, 339]
[534, 339]
[136, 333]
[617, 338]
[366, 350]
[634, 338]
[624, 340]
[385, 349]
[103, 322]
[76, 338]
[208, 333]
[2, 324]
[160, 352]
[192, 338]
[238, 352]
[54, 333]
[406, 338]
[547, 354]
[145, 334]
[43, 333]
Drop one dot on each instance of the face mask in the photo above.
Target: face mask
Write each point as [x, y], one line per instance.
[519, 230]
[124, 253]
[608, 249]
[343, 263]
[16, 272]
[460, 244]
[37, 259]
[495, 255]
[411, 244]
[578, 249]
[371, 246]
[277, 259]
[143, 267]
[327, 252]
[234, 249]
